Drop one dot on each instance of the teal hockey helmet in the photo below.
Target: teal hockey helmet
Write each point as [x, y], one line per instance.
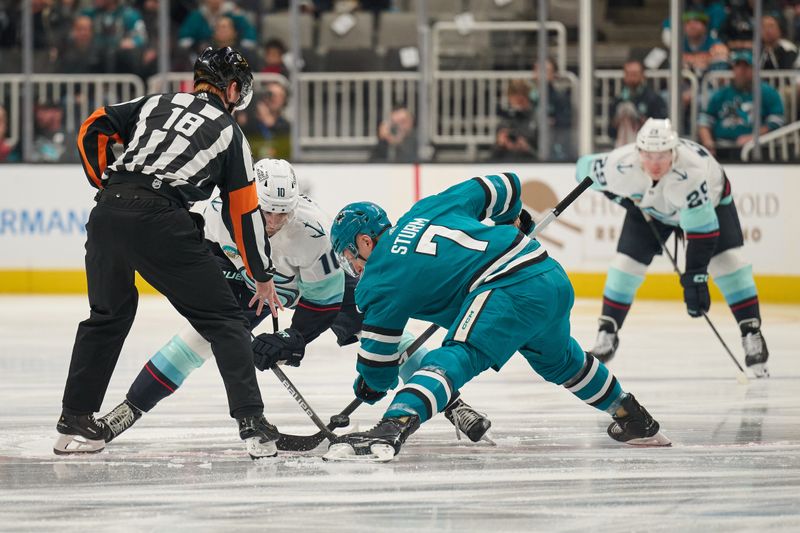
[355, 219]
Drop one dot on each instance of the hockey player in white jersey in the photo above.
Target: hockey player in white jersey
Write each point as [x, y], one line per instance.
[307, 279]
[678, 185]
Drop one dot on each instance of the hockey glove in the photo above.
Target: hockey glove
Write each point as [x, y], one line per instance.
[287, 347]
[627, 203]
[365, 393]
[526, 222]
[695, 293]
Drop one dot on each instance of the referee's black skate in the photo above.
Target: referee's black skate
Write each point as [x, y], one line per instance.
[379, 444]
[635, 426]
[259, 436]
[119, 419]
[79, 434]
[755, 348]
[467, 420]
[605, 347]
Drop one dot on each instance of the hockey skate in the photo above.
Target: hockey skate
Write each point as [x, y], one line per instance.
[119, 419]
[259, 436]
[468, 421]
[378, 445]
[79, 434]
[607, 341]
[755, 348]
[636, 426]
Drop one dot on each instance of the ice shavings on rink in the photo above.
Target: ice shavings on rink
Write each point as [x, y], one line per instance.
[734, 464]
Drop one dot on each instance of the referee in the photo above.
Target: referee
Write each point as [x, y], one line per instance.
[176, 149]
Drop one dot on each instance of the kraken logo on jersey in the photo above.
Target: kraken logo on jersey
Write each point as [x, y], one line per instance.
[318, 230]
[288, 294]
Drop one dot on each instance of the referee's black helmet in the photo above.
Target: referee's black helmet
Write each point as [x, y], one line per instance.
[221, 66]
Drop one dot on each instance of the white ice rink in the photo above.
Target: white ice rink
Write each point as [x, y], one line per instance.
[734, 465]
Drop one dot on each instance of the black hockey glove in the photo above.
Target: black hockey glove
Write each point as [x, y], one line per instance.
[627, 203]
[287, 347]
[526, 222]
[365, 393]
[695, 293]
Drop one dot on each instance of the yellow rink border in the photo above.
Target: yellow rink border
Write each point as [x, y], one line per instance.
[774, 289]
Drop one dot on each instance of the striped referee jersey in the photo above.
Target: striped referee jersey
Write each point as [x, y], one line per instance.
[188, 142]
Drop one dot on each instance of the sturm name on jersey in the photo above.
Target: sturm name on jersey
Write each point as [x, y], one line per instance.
[407, 234]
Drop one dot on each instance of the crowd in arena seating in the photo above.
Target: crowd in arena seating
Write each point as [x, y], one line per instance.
[121, 36]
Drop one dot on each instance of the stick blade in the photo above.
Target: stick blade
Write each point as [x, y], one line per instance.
[299, 443]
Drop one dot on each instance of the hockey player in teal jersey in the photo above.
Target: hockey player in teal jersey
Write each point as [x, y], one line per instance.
[494, 289]
[681, 187]
[307, 279]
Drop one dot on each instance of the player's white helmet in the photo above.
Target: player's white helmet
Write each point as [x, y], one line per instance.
[277, 185]
[656, 135]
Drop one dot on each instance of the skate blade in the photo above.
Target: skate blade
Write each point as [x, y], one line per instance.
[487, 438]
[260, 450]
[341, 452]
[760, 370]
[656, 440]
[76, 444]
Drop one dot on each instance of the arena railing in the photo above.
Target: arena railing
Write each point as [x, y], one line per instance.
[344, 109]
[610, 85]
[465, 104]
[782, 144]
[182, 82]
[77, 94]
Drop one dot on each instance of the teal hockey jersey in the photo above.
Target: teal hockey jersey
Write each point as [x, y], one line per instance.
[438, 255]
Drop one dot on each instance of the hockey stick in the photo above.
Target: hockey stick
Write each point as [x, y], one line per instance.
[300, 443]
[741, 377]
[286, 382]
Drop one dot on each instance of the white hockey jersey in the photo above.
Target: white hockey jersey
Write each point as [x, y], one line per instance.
[686, 196]
[305, 264]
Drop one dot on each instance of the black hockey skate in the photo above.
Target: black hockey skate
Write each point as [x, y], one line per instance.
[467, 420]
[79, 434]
[379, 444]
[636, 426]
[119, 419]
[607, 341]
[755, 348]
[259, 436]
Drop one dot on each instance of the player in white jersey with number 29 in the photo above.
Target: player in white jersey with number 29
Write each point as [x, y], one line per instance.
[674, 184]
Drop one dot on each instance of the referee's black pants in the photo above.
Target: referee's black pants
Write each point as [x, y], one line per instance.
[135, 230]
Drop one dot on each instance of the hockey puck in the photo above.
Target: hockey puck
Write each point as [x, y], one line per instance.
[340, 421]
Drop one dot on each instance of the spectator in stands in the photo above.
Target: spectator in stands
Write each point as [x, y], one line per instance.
[274, 50]
[737, 31]
[6, 150]
[50, 25]
[777, 53]
[397, 138]
[729, 114]
[119, 33]
[81, 55]
[51, 142]
[516, 134]
[265, 127]
[714, 11]
[635, 103]
[697, 42]
[197, 30]
[559, 113]
[150, 15]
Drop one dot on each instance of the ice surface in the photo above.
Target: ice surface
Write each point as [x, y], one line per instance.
[734, 466]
